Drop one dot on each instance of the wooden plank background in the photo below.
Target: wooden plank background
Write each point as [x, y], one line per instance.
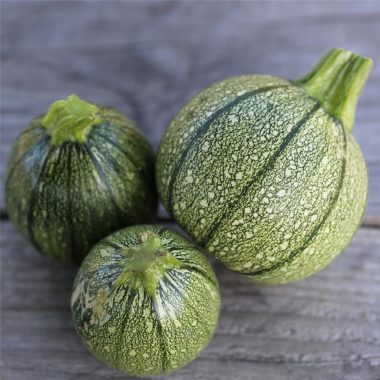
[147, 59]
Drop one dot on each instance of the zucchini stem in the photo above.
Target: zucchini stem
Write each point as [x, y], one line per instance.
[145, 264]
[70, 120]
[336, 82]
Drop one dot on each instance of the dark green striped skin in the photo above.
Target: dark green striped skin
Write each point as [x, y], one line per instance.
[261, 176]
[136, 330]
[66, 197]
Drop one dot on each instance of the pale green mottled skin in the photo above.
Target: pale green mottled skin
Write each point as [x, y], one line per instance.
[133, 328]
[270, 184]
[65, 197]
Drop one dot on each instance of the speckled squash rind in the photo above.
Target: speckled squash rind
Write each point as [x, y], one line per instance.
[259, 174]
[132, 330]
[66, 197]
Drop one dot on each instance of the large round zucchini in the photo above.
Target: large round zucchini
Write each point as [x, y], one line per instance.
[265, 173]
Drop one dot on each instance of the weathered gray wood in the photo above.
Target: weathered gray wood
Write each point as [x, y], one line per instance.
[149, 58]
[326, 327]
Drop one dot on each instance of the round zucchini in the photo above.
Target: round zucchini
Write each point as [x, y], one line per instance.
[145, 300]
[265, 173]
[76, 174]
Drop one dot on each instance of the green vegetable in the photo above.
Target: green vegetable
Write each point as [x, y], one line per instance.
[76, 174]
[265, 173]
[145, 300]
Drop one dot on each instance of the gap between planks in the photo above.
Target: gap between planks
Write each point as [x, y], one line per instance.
[368, 221]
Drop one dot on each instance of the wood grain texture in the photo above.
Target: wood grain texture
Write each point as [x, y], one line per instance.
[325, 327]
[147, 59]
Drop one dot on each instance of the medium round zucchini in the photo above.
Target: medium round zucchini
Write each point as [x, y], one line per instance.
[265, 173]
[145, 300]
[76, 174]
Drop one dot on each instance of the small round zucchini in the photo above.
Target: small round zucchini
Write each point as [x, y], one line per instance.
[145, 300]
[76, 174]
